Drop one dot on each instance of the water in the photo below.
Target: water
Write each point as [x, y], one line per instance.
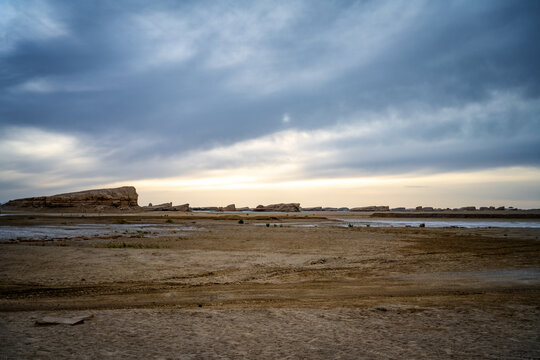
[48, 232]
[470, 224]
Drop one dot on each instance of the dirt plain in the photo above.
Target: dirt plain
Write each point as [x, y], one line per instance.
[305, 286]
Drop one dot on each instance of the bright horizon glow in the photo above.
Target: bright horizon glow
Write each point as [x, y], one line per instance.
[277, 174]
[457, 189]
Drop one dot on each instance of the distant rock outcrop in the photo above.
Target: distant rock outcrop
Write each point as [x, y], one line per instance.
[320, 208]
[183, 207]
[122, 198]
[230, 207]
[291, 207]
[166, 207]
[371, 208]
[315, 208]
[484, 208]
[160, 207]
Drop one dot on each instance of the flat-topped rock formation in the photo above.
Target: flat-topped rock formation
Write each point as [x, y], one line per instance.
[314, 208]
[183, 207]
[122, 198]
[291, 207]
[492, 214]
[158, 207]
[166, 207]
[371, 208]
[324, 209]
[230, 207]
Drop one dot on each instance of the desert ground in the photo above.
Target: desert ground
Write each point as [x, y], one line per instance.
[293, 286]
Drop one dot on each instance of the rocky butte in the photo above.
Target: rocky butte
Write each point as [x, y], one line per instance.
[291, 207]
[122, 198]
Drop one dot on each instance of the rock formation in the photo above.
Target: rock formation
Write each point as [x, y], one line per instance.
[158, 207]
[183, 207]
[166, 207]
[371, 208]
[320, 208]
[230, 207]
[122, 198]
[291, 207]
[315, 208]
[484, 208]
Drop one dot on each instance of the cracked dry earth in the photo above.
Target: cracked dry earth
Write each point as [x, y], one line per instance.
[225, 290]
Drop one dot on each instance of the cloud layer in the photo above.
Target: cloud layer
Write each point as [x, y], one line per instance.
[105, 92]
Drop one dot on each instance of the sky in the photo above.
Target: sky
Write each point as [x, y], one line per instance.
[326, 103]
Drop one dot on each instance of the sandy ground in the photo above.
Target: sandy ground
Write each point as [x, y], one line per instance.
[226, 290]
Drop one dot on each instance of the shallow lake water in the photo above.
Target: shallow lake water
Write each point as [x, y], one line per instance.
[49, 232]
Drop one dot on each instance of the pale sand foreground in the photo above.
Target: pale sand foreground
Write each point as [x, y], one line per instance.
[272, 292]
[338, 333]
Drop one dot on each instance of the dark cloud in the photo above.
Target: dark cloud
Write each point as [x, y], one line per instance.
[158, 80]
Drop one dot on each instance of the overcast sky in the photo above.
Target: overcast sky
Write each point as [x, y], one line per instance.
[321, 102]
